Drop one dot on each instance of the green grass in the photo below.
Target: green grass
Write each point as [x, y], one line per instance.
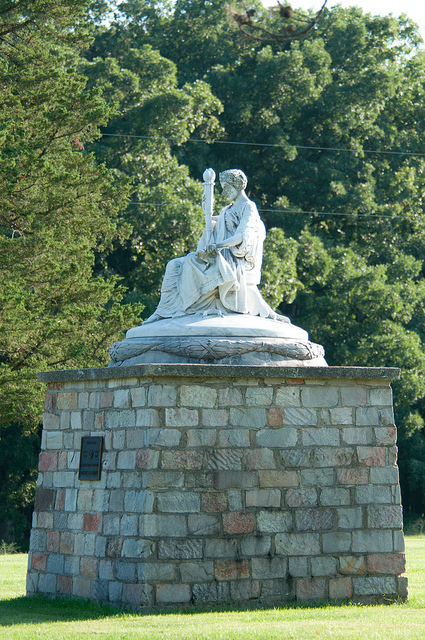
[33, 618]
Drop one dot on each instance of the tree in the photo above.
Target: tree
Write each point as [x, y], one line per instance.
[57, 205]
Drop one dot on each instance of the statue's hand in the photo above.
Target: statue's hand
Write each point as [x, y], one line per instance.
[211, 248]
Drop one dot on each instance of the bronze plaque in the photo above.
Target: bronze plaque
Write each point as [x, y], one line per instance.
[90, 458]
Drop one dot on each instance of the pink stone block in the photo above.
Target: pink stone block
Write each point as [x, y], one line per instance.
[190, 460]
[106, 399]
[38, 562]
[260, 459]
[88, 567]
[147, 459]
[234, 522]
[372, 456]
[67, 542]
[53, 541]
[352, 476]
[214, 502]
[311, 588]
[231, 569]
[47, 461]
[294, 381]
[92, 522]
[63, 585]
[340, 588]
[274, 417]
[393, 563]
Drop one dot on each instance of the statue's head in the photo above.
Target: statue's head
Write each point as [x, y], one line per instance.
[235, 177]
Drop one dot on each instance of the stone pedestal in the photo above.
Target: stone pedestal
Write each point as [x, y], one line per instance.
[220, 484]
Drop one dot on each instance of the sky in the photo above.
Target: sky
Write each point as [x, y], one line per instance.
[415, 9]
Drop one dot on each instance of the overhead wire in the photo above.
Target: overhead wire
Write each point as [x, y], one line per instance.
[280, 146]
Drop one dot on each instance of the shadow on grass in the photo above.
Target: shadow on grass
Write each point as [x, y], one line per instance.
[42, 609]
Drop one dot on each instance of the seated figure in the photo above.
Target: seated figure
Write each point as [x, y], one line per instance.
[222, 275]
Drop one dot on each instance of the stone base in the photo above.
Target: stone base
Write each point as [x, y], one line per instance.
[219, 485]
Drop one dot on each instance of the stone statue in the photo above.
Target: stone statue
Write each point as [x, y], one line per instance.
[222, 275]
[210, 309]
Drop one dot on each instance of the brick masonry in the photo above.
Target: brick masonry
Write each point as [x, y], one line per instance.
[215, 488]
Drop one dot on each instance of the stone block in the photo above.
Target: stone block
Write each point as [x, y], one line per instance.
[125, 571]
[196, 572]
[299, 417]
[381, 396]
[231, 569]
[156, 572]
[181, 417]
[233, 438]
[352, 565]
[93, 522]
[66, 401]
[161, 395]
[47, 461]
[242, 591]
[146, 418]
[178, 502]
[202, 438]
[118, 439]
[353, 396]
[214, 501]
[323, 566]
[263, 498]
[138, 397]
[357, 435]
[204, 593]
[173, 526]
[303, 497]
[189, 460]
[139, 501]
[196, 395]
[230, 397]
[285, 437]
[67, 539]
[225, 459]
[385, 435]
[372, 541]
[320, 437]
[250, 417]
[47, 583]
[214, 418]
[278, 478]
[52, 440]
[221, 548]
[332, 456]
[44, 499]
[44, 520]
[259, 545]
[260, 459]
[89, 567]
[235, 523]
[235, 479]
[129, 525]
[39, 561]
[313, 519]
[115, 590]
[126, 460]
[353, 476]
[340, 588]
[137, 548]
[180, 549]
[296, 458]
[234, 500]
[393, 563]
[274, 417]
[350, 518]
[384, 475]
[52, 541]
[63, 585]
[310, 588]
[146, 459]
[372, 494]
[288, 397]
[341, 416]
[319, 396]
[173, 593]
[203, 525]
[336, 542]
[371, 585]
[297, 566]
[367, 417]
[335, 496]
[372, 456]
[259, 397]
[384, 517]
[269, 568]
[297, 544]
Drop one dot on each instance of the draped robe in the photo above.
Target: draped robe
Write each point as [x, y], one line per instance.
[227, 280]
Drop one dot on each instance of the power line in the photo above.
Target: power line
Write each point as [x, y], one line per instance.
[316, 213]
[266, 144]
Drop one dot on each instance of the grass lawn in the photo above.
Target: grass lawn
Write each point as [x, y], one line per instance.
[32, 618]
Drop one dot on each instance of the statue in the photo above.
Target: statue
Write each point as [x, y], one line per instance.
[210, 307]
[222, 275]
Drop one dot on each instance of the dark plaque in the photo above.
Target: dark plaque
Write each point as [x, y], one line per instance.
[90, 458]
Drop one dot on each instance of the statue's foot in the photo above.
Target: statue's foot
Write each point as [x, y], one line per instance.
[212, 312]
[279, 318]
[153, 318]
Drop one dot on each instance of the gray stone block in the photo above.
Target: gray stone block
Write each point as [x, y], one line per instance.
[180, 549]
